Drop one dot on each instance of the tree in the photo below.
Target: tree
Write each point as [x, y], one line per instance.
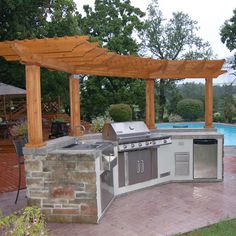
[98, 93]
[228, 32]
[228, 103]
[173, 39]
[192, 90]
[174, 97]
[37, 19]
[113, 23]
[228, 35]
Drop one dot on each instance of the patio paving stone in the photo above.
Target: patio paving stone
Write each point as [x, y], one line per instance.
[9, 172]
[164, 210]
[161, 210]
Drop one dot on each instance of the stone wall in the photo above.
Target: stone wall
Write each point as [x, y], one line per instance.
[62, 184]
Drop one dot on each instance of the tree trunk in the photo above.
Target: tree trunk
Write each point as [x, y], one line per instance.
[162, 100]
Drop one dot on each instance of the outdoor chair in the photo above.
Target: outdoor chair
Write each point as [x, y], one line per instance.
[19, 144]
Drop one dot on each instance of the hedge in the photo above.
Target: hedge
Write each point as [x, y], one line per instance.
[120, 112]
[190, 109]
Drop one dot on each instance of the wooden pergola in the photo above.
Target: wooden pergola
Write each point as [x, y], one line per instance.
[77, 55]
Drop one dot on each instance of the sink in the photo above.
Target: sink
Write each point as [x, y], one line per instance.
[83, 146]
[89, 146]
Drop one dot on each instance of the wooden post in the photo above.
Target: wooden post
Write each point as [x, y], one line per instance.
[75, 106]
[208, 103]
[150, 104]
[34, 113]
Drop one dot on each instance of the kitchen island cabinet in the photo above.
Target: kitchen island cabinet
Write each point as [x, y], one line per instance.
[73, 186]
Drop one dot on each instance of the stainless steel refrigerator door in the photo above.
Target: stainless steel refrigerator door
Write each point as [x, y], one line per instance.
[205, 161]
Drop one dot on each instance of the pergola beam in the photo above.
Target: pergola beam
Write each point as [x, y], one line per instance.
[186, 74]
[27, 57]
[117, 73]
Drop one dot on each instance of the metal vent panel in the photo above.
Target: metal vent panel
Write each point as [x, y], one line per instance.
[182, 163]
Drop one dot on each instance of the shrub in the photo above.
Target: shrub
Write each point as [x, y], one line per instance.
[234, 119]
[29, 221]
[165, 119]
[175, 118]
[190, 109]
[217, 117]
[98, 122]
[120, 112]
[18, 130]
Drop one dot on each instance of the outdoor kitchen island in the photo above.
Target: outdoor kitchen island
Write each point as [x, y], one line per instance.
[75, 179]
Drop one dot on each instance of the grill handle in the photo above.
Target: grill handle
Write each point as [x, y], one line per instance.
[120, 138]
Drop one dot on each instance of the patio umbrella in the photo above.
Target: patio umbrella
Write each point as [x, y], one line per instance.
[7, 90]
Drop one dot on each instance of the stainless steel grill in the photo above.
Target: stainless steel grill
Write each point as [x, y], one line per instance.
[137, 151]
[133, 135]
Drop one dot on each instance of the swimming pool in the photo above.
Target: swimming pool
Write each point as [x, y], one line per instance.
[229, 131]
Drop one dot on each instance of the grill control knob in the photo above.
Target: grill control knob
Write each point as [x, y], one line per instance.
[124, 146]
[140, 144]
[147, 143]
[165, 141]
[150, 142]
[132, 145]
[154, 142]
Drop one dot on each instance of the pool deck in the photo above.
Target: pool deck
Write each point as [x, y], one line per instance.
[162, 210]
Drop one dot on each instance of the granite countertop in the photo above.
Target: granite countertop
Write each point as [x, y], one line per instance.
[188, 133]
[56, 145]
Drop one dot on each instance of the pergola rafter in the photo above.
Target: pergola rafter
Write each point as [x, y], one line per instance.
[78, 55]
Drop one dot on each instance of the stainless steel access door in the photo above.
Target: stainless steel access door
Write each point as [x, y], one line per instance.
[140, 166]
[137, 166]
[204, 158]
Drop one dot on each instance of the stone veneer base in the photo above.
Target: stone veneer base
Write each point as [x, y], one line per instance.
[62, 182]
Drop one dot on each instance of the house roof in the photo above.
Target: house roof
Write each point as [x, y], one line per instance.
[78, 55]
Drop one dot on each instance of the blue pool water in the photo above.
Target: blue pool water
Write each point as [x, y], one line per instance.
[229, 131]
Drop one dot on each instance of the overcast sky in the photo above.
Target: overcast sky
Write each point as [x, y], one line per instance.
[210, 14]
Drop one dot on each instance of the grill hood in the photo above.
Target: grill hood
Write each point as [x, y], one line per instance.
[124, 130]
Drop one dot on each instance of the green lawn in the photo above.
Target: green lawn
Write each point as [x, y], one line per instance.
[223, 228]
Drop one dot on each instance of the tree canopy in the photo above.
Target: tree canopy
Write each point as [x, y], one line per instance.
[27, 19]
[116, 25]
[228, 34]
[171, 39]
[113, 23]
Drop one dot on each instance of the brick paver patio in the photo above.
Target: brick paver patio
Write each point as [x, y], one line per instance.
[9, 172]
[160, 210]
[164, 210]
